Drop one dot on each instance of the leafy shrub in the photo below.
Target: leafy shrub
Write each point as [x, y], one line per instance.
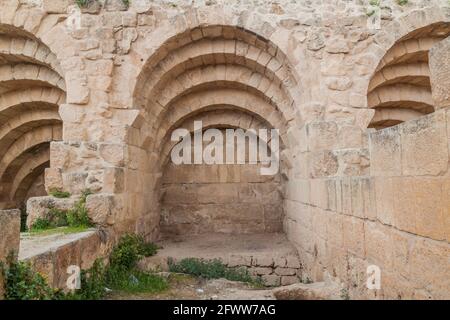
[121, 273]
[78, 215]
[129, 250]
[41, 224]
[83, 3]
[213, 269]
[22, 283]
[57, 217]
[134, 281]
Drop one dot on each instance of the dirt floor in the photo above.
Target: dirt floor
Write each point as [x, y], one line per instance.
[184, 287]
[220, 246]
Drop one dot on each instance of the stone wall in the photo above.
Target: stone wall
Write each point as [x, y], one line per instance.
[9, 239]
[220, 198]
[121, 79]
[397, 218]
[198, 199]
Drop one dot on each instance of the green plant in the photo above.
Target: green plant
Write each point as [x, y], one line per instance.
[83, 3]
[22, 283]
[126, 2]
[129, 250]
[57, 217]
[121, 274]
[402, 2]
[41, 224]
[59, 194]
[53, 219]
[135, 281]
[78, 215]
[213, 269]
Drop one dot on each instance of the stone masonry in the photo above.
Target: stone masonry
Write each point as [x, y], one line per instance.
[9, 240]
[89, 99]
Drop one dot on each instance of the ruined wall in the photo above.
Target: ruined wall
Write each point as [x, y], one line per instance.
[9, 239]
[396, 218]
[134, 74]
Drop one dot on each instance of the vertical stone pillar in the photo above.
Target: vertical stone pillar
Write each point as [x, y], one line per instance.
[9, 238]
[440, 73]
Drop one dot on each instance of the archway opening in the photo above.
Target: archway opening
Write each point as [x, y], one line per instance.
[31, 89]
[227, 78]
[400, 90]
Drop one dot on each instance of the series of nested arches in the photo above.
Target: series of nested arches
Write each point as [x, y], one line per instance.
[226, 77]
[200, 73]
[31, 89]
[400, 90]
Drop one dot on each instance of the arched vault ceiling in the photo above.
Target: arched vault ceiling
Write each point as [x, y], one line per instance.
[402, 80]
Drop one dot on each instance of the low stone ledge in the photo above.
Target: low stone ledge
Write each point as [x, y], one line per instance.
[313, 291]
[52, 255]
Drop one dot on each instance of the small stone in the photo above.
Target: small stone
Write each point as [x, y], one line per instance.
[271, 280]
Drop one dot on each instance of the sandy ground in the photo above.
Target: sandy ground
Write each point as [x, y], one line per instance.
[183, 287]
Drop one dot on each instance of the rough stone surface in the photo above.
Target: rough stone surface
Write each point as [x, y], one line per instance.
[39, 207]
[52, 255]
[94, 95]
[440, 70]
[9, 240]
[315, 291]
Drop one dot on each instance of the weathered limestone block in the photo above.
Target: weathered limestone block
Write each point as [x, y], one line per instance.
[59, 6]
[424, 145]
[53, 179]
[78, 91]
[263, 261]
[385, 152]
[261, 271]
[440, 73]
[9, 238]
[289, 280]
[323, 164]
[80, 250]
[239, 261]
[314, 291]
[39, 207]
[285, 271]
[104, 209]
[271, 280]
[154, 264]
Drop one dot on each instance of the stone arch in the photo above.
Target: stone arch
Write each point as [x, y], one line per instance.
[243, 184]
[401, 79]
[220, 117]
[32, 86]
[28, 174]
[208, 69]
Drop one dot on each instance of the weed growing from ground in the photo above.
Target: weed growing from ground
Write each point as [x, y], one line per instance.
[213, 269]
